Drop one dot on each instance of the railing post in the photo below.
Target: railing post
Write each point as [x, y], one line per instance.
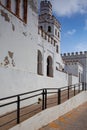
[18, 109]
[74, 90]
[59, 96]
[68, 92]
[43, 94]
[45, 98]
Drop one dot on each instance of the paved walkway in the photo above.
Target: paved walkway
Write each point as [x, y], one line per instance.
[74, 120]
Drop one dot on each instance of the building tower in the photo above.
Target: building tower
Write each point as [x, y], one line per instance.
[48, 23]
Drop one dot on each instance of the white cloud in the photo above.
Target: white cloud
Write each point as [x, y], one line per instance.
[69, 7]
[71, 32]
[81, 47]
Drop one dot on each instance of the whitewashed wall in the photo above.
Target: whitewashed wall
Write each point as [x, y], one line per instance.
[18, 55]
[82, 58]
[72, 79]
[15, 81]
[19, 39]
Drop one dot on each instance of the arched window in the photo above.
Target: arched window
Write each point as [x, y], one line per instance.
[49, 28]
[49, 67]
[55, 31]
[39, 63]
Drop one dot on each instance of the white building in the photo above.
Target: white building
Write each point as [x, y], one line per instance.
[30, 52]
[76, 63]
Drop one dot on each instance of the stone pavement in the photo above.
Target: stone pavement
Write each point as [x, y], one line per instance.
[73, 120]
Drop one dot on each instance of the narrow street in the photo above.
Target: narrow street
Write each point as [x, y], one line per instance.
[74, 120]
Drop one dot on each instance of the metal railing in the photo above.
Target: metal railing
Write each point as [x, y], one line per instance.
[37, 101]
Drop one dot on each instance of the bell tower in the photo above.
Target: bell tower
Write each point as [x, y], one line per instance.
[47, 22]
[45, 7]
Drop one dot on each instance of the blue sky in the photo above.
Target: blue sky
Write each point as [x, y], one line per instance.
[72, 14]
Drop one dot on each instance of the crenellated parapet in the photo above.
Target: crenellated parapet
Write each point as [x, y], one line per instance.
[74, 53]
[45, 36]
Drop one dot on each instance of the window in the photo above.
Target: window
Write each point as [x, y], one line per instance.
[57, 48]
[19, 6]
[41, 27]
[49, 28]
[49, 67]
[39, 63]
[58, 34]
[55, 31]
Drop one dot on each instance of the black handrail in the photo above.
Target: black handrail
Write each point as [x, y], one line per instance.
[45, 101]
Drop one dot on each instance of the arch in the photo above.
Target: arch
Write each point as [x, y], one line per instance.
[49, 66]
[39, 63]
[49, 28]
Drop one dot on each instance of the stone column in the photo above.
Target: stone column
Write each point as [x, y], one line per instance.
[18, 8]
[25, 11]
[9, 4]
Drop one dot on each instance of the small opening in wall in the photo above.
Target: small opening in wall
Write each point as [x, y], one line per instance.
[57, 48]
[41, 27]
[58, 34]
[55, 31]
[49, 28]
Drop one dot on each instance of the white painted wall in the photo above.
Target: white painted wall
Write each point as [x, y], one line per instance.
[82, 59]
[16, 81]
[22, 41]
[72, 68]
[72, 79]
[3, 2]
